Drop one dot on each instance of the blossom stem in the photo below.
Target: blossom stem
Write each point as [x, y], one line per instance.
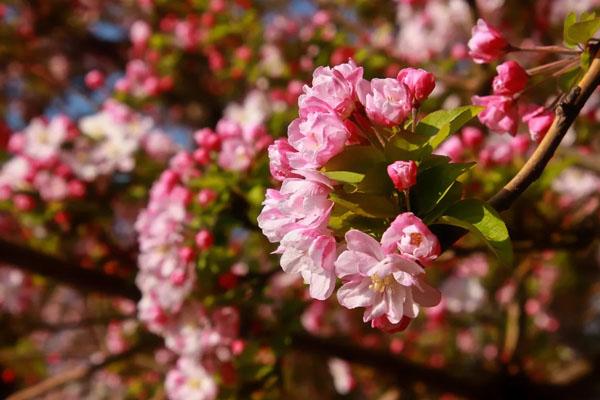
[407, 198]
[545, 49]
[414, 119]
[542, 69]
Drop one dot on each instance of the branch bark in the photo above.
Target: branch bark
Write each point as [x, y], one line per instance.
[86, 280]
[83, 371]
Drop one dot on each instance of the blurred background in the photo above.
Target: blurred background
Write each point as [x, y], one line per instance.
[99, 97]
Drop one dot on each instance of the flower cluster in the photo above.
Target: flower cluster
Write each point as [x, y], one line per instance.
[502, 111]
[341, 108]
[171, 244]
[57, 158]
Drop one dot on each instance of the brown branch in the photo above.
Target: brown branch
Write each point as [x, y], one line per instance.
[83, 371]
[73, 275]
[566, 113]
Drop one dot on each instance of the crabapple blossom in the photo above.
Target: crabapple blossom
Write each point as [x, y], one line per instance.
[279, 163]
[387, 284]
[403, 174]
[317, 138]
[420, 83]
[538, 120]
[501, 113]
[190, 380]
[387, 101]
[487, 43]
[411, 237]
[511, 78]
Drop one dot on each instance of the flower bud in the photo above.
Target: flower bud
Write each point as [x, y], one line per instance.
[420, 83]
[511, 78]
[403, 174]
[487, 43]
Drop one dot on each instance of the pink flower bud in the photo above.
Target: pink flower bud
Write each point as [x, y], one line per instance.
[383, 324]
[94, 79]
[76, 188]
[501, 113]
[403, 174]
[538, 121]
[420, 82]
[16, 143]
[186, 254]
[139, 33]
[471, 137]
[204, 239]
[206, 197]
[520, 144]
[487, 43]
[511, 78]
[23, 202]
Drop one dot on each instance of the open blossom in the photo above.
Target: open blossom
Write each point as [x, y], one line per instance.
[403, 174]
[189, 380]
[420, 82]
[511, 78]
[387, 285]
[501, 113]
[310, 253]
[487, 43]
[538, 120]
[299, 203]
[387, 101]
[279, 163]
[332, 88]
[411, 237]
[317, 138]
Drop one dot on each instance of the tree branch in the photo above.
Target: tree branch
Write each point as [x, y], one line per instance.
[73, 275]
[566, 113]
[83, 371]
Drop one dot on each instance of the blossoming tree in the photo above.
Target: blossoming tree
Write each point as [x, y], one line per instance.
[267, 199]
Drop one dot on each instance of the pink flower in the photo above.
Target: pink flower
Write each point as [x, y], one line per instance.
[139, 33]
[204, 239]
[388, 285]
[310, 253]
[538, 120]
[501, 113]
[94, 79]
[420, 83]
[332, 88]
[189, 380]
[317, 138]
[299, 203]
[279, 163]
[387, 101]
[403, 174]
[409, 235]
[511, 78]
[486, 44]
[471, 137]
[452, 147]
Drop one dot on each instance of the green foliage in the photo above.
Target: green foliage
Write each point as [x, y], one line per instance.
[576, 31]
[481, 219]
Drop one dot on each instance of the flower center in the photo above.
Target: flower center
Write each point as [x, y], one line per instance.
[194, 383]
[379, 284]
[416, 239]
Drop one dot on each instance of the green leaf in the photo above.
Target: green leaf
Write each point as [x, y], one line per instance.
[376, 181]
[345, 176]
[405, 146]
[569, 21]
[366, 205]
[450, 198]
[433, 184]
[582, 30]
[355, 158]
[568, 79]
[481, 219]
[440, 124]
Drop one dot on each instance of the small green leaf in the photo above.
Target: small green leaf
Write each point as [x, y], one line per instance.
[569, 21]
[581, 31]
[366, 205]
[440, 124]
[345, 176]
[433, 184]
[376, 181]
[355, 159]
[481, 219]
[568, 79]
[450, 198]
